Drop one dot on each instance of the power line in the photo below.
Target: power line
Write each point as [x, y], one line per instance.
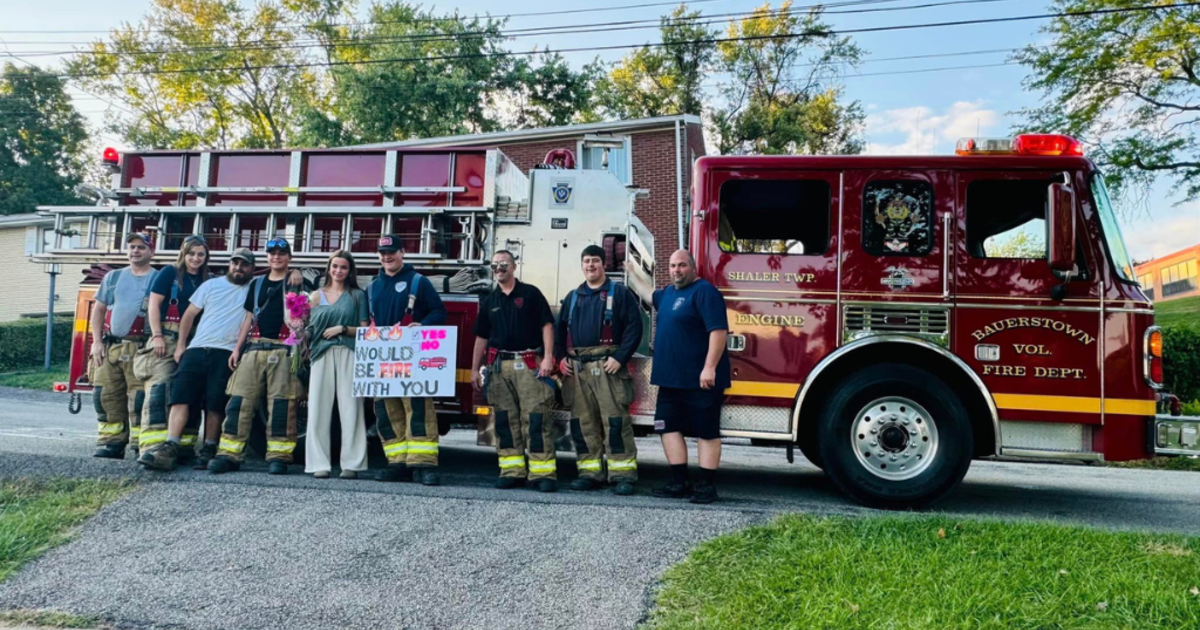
[714, 40]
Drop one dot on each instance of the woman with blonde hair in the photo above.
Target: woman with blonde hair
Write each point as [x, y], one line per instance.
[338, 307]
[170, 294]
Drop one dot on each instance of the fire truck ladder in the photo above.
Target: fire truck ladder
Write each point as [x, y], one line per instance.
[109, 220]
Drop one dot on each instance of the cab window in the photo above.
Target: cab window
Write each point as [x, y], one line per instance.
[898, 218]
[774, 216]
[1007, 218]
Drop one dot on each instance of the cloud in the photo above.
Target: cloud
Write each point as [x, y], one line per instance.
[926, 133]
[1150, 238]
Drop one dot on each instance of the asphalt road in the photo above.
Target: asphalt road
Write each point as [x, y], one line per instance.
[248, 550]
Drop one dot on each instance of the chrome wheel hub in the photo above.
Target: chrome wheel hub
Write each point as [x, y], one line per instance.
[894, 438]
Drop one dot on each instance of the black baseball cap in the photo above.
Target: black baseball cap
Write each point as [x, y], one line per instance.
[278, 243]
[390, 243]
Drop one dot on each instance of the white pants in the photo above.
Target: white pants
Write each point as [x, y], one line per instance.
[333, 372]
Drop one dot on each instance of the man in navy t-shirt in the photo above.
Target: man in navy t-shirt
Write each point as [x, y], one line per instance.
[690, 329]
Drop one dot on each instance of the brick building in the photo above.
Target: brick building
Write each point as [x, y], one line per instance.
[1172, 276]
[656, 154]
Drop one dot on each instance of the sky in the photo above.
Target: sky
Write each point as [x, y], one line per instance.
[914, 106]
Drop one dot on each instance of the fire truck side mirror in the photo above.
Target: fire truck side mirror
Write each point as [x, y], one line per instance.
[1061, 226]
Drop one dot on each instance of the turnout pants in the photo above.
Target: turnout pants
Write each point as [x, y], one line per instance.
[522, 419]
[600, 421]
[117, 394]
[264, 374]
[333, 375]
[409, 430]
[156, 373]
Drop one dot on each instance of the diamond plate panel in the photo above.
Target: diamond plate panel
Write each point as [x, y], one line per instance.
[755, 418]
[645, 395]
[1046, 436]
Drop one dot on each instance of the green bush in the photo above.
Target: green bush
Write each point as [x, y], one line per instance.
[23, 343]
[1181, 361]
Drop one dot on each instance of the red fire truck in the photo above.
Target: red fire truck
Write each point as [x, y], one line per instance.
[893, 317]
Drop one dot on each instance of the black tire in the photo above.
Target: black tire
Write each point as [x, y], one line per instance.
[809, 446]
[940, 472]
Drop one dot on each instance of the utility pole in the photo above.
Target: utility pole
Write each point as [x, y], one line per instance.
[53, 270]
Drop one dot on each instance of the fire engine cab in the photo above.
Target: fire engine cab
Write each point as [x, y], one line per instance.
[893, 317]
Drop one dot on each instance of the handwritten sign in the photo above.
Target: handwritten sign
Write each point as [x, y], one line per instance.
[401, 362]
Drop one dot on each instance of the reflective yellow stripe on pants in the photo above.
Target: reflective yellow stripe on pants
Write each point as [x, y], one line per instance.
[629, 464]
[543, 468]
[233, 447]
[425, 448]
[187, 440]
[150, 438]
[591, 465]
[396, 448]
[512, 461]
[111, 428]
[280, 447]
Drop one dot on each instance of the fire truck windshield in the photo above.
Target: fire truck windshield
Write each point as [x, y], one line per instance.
[1112, 230]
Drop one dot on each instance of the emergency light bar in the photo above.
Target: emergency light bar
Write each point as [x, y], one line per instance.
[1042, 144]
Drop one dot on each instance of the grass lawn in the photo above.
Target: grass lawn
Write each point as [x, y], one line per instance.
[918, 573]
[1161, 463]
[36, 378]
[37, 515]
[1175, 312]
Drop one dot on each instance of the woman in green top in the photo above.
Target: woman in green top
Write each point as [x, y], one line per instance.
[337, 309]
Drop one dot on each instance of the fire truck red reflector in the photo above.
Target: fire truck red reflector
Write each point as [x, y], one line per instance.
[1156, 370]
[1046, 144]
[111, 156]
[60, 387]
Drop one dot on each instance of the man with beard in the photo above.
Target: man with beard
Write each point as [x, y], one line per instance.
[119, 316]
[203, 371]
[691, 370]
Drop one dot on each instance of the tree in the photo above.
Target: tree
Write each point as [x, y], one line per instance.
[782, 94]
[550, 93]
[207, 74]
[42, 139]
[662, 80]
[1127, 84]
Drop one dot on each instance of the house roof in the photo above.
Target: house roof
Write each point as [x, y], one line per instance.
[13, 221]
[541, 133]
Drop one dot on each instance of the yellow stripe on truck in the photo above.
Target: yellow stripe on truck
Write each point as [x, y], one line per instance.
[81, 325]
[762, 389]
[1074, 404]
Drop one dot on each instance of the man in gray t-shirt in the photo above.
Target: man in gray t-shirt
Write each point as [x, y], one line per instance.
[118, 326]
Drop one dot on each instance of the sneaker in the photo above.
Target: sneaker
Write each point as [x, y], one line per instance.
[348, 474]
[162, 457]
[673, 491]
[583, 484]
[623, 488]
[222, 465]
[705, 493]
[320, 474]
[395, 472]
[547, 485]
[110, 451]
[206, 454]
[278, 468]
[427, 476]
[508, 483]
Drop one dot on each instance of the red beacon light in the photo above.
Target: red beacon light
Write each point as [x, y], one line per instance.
[111, 160]
[1039, 144]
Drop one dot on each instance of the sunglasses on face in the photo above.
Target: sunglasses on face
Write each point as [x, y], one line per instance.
[278, 243]
[195, 238]
[500, 266]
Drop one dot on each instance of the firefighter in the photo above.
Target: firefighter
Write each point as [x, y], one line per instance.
[407, 426]
[599, 328]
[262, 370]
[203, 374]
[170, 295]
[515, 329]
[692, 374]
[120, 315]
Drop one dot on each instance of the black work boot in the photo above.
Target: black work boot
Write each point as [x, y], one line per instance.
[207, 453]
[547, 485]
[162, 457]
[186, 456]
[623, 488]
[508, 483]
[427, 476]
[222, 465]
[705, 493]
[110, 451]
[396, 472]
[673, 491]
[583, 484]
[277, 468]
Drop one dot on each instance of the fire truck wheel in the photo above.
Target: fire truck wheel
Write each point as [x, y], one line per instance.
[894, 436]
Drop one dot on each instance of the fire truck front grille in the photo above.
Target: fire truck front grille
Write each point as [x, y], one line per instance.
[929, 323]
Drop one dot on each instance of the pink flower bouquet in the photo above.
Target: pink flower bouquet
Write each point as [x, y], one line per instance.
[297, 309]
